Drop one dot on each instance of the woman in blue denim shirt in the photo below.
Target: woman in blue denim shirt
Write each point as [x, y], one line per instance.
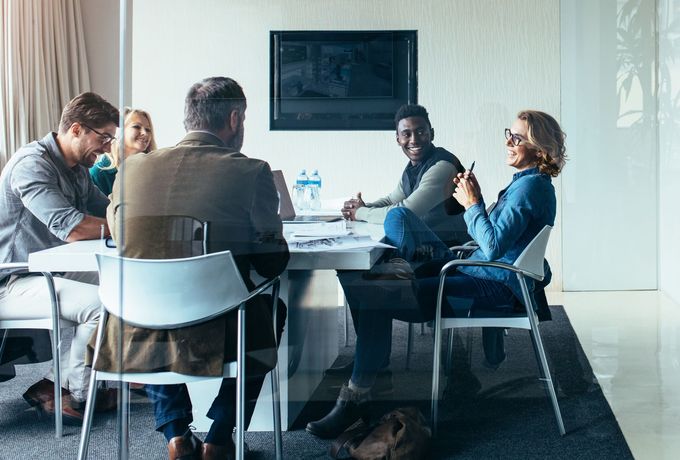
[535, 148]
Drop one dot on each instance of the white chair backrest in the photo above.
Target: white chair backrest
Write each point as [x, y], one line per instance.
[531, 259]
[168, 293]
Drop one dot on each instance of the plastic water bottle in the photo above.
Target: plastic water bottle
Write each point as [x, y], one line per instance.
[302, 178]
[315, 179]
[301, 183]
[314, 184]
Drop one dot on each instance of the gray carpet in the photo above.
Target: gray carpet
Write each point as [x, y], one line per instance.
[485, 413]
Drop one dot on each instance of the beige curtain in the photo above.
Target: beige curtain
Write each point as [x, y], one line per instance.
[42, 66]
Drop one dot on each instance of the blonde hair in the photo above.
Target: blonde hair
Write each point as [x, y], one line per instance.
[544, 133]
[114, 155]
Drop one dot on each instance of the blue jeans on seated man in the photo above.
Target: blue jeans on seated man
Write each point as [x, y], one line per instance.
[463, 293]
[173, 409]
[413, 239]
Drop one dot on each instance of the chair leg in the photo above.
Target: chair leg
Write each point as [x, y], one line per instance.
[56, 345]
[346, 322]
[409, 345]
[89, 413]
[541, 371]
[276, 403]
[124, 413]
[240, 381]
[545, 370]
[449, 353]
[5, 333]
[540, 353]
[435, 376]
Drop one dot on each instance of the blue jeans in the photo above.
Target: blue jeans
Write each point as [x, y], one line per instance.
[407, 232]
[172, 402]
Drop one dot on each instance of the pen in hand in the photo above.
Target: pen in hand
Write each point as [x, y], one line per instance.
[472, 166]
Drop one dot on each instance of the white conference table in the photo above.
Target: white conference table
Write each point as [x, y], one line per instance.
[310, 341]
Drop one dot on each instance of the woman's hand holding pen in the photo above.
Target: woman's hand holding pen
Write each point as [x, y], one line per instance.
[467, 191]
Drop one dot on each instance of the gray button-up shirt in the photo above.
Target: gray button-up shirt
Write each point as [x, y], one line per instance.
[42, 200]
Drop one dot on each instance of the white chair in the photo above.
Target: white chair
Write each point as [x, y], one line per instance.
[529, 263]
[154, 294]
[50, 322]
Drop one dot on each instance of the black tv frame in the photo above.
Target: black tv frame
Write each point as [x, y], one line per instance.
[324, 113]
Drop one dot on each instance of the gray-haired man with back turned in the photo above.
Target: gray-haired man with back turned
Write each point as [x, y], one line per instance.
[206, 177]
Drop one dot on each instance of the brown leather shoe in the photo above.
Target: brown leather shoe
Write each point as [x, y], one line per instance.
[69, 415]
[215, 452]
[107, 400]
[185, 447]
[41, 392]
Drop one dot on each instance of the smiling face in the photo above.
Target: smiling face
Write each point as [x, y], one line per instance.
[87, 144]
[524, 155]
[415, 136]
[138, 134]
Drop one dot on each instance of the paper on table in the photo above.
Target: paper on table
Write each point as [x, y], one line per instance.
[339, 243]
[320, 229]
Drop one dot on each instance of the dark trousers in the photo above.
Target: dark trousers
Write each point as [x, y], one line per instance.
[172, 402]
[376, 303]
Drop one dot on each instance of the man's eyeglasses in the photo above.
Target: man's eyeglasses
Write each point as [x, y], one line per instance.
[516, 138]
[105, 138]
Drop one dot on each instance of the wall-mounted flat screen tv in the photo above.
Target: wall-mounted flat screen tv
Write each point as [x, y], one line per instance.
[341, 80]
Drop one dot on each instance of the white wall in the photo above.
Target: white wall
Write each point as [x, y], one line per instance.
[480, 61]
[610, 187]
[669, 147]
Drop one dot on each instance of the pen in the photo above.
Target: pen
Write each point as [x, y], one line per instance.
[472, 166]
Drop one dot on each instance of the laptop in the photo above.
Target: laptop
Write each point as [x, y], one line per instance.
[287, 210]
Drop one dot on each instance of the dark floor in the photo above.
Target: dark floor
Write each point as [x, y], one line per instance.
[484, 413]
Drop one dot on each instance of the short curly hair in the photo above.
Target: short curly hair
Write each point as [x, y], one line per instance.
[545, 133]
[411, 110]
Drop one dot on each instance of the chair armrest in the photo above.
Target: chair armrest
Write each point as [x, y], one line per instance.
[468, 247]
[454, 264]
[14, 266]
[260, 288]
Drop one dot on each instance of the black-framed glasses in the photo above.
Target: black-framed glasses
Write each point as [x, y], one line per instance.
[105, 138]
[516, 138]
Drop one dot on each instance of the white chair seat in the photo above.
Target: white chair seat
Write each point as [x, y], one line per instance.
[165, 378]
[520, 322]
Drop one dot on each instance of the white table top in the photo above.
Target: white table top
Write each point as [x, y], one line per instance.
[80, 255]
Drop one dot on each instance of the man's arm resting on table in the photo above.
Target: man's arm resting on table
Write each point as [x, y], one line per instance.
[88, 229]
[435, 186]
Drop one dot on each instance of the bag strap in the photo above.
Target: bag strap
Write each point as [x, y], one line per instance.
[356, 432]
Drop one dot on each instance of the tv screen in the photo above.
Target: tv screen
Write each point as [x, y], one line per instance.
[337, 80]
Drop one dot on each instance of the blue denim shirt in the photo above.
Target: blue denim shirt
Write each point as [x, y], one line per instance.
[523, 208]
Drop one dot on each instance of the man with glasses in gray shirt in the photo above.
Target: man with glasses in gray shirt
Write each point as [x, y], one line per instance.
[47, 199]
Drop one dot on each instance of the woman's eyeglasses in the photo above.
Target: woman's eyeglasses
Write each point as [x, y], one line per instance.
[516, 138]
[105, 138]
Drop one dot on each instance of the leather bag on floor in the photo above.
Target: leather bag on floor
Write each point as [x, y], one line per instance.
[402, 434]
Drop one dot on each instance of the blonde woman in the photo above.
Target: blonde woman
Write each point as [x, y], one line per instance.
[138, 137]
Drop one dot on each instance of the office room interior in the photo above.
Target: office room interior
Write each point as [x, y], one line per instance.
[608, 70]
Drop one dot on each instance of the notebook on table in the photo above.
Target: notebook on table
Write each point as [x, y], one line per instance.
[286, 208]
